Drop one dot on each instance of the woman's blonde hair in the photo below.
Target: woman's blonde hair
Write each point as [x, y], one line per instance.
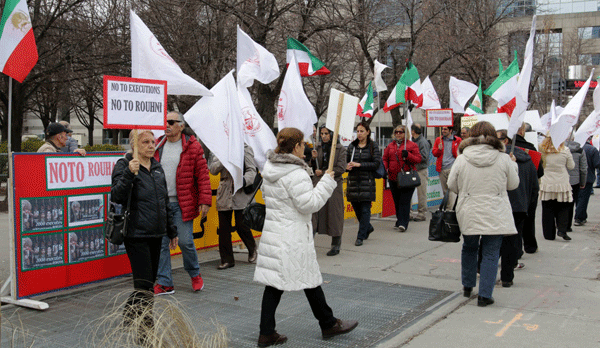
[547, 147]
[140, 132]
[400, 126]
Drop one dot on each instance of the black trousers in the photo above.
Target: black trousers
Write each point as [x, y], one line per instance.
[575, 190]
[529, 241]
[401, 197]
[555, 216]
[143, 254]
[225, 229]
[315, 297]
[511, 249]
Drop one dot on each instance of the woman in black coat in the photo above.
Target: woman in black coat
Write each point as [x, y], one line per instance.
[149, 220]
[364, 159]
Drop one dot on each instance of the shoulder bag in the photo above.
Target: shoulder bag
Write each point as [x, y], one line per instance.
[407, 178]
[443, 226]
[254, 213]
[115, 226]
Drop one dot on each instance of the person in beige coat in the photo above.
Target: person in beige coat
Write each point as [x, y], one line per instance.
[481, 176]
[230, 203]
[555, 189]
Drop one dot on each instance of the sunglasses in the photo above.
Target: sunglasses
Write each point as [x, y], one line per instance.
[398, 132]
[172, 122]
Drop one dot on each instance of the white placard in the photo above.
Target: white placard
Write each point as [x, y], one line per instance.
[134, 103]
[79, 172]
[440, 118]
[499, 121]
[348, 113]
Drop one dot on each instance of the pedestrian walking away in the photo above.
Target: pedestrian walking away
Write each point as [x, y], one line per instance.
[330, 219]
[232, 203]
[577, 177]
[150, 220]
[287, 260]
[481, 177]
[190, 196]
[364, 159]
[593, 162]
[423, 169]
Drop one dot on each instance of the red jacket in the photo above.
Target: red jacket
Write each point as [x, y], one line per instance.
[193, 181]
[440, 153]
[390, 161]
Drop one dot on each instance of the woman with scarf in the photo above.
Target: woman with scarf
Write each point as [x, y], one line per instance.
[398, 156]
[330, 219]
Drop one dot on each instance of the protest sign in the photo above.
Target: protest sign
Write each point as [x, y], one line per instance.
[499, 121]
[440, 118]
[134, 103]
[347, 112]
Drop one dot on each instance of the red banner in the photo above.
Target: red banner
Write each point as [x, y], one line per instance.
[59, 212]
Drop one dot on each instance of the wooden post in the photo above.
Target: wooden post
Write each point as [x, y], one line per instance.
[338, 118]
[135, 148]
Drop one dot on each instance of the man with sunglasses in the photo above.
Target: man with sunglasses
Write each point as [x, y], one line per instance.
[445, 149]
[190, 195]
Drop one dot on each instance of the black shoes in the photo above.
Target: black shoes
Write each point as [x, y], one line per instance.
[358, 242]
[484, 301]
[563, 235]
[334, 250]
[252, 257]
[225, 265]
[272, 339]
[370, 231]
[467, 291]
[507, 284]
[341, 327]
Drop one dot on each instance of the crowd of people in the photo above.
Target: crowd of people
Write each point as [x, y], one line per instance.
[495, 190]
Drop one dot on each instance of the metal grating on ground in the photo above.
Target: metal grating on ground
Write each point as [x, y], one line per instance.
[232, 299]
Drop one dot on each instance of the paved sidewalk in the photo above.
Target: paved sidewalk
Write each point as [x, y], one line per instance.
[555, 301]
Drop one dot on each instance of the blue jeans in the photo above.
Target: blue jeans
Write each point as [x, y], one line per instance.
[490, 247]
[402, 198]
[363, 214]
[186, 244]
[582, 202]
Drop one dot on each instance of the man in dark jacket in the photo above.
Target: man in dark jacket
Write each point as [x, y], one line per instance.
[190, 195]
[529, 241]
[577, 176]
[593, 161]
[520, 200]
[425, 150]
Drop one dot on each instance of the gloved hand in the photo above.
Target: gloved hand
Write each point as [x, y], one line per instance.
[404, 154]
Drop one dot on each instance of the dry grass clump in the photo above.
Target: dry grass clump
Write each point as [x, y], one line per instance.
[165, 325]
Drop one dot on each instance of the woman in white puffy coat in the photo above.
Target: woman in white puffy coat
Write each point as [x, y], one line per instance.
[287, 260]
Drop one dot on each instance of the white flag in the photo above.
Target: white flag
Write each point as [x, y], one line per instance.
[254, 62]
[348, 116]
[430, 97]
[257, 133]
[379, 83]
[294, 108]
[217, 121]
[589, 127]
[149, 60]
[409, 123]
[460, 93]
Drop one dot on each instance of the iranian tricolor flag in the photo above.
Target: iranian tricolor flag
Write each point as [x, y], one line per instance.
[18, 52]
[504, 88]
[365, 106]
[407, 88]
[309, 65]
[476, 106]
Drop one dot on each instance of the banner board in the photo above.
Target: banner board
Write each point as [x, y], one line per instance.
[439, 118]
[134, 103]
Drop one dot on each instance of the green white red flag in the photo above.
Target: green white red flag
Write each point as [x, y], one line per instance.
[366, 105]
[476, 106]
[504, 88]
[308, 64]
[18, 52]
[407, 88]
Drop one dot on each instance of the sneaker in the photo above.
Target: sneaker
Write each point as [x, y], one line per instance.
[420, 218]
[520, 265]
[163, 290]
[197, 283]
[401, 228]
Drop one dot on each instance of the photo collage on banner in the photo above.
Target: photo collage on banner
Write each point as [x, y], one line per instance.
[49, 224]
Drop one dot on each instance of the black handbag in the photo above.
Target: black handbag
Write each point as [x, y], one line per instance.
[254, 213]
[115, 226]
[407, 178]
[443, 226]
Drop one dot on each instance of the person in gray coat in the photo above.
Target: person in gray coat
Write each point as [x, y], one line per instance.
[577, 176]
[425, 150]
[232, 203]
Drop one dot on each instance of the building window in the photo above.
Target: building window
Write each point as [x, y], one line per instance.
[589, 59]
[589, 32]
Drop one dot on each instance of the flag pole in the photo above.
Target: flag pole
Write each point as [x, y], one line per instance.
[338, 118]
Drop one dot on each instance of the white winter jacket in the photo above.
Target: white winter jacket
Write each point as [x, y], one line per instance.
[481, 176]
[286, 255]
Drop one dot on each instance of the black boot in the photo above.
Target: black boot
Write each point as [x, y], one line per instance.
[336, 242]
